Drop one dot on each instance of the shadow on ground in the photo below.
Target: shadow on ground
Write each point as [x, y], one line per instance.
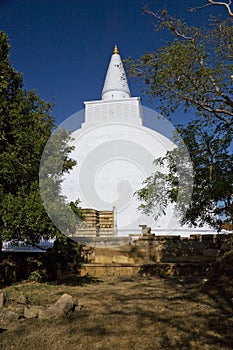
[130, 313]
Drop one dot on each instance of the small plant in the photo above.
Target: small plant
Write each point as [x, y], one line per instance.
[35, 277]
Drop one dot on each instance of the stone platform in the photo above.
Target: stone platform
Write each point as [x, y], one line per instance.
[158, 269]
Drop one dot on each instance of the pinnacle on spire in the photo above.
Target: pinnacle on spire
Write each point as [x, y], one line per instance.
[115, 51]
[115, 85]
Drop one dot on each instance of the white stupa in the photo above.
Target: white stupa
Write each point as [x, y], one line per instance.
[114, 154]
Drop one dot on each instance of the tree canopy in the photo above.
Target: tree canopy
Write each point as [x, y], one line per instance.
[26, 123]
[193, 72]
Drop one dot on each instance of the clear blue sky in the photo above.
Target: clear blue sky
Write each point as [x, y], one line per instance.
[63, 47]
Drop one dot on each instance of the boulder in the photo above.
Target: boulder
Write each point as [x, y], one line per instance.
[63, 306]
[22, 299]
[35, 311]
[9, 315]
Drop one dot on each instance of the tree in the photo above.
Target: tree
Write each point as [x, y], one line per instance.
[212, 165]
[26, 123]
[194, 71]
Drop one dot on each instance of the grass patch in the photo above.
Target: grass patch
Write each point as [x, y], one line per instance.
[140, 314]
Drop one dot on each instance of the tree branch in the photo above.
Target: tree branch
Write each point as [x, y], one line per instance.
[217, 112]
[226, 98]
[213, 2]
[170, 24]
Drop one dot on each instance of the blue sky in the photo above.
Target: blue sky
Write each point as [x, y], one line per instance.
[63, 47]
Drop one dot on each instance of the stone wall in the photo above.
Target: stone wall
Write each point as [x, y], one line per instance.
[155, 269]
[113, 270]
[157, 255]
[147, 255]
[149, 248]
[176, 248]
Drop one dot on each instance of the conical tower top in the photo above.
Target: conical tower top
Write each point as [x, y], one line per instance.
[116, 49]
[115, 85]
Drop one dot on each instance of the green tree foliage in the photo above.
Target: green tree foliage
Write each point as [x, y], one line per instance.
[26, 124]
[193, 71]
[212, 200]
[54, 162]
[211, 176]
[77, 209]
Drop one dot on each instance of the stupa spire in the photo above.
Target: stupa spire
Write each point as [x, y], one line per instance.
[115, 85]
[116, 49]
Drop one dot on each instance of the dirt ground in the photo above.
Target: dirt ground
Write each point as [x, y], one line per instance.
[124, 314]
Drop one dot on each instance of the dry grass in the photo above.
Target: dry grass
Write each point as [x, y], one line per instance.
[145, 314]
